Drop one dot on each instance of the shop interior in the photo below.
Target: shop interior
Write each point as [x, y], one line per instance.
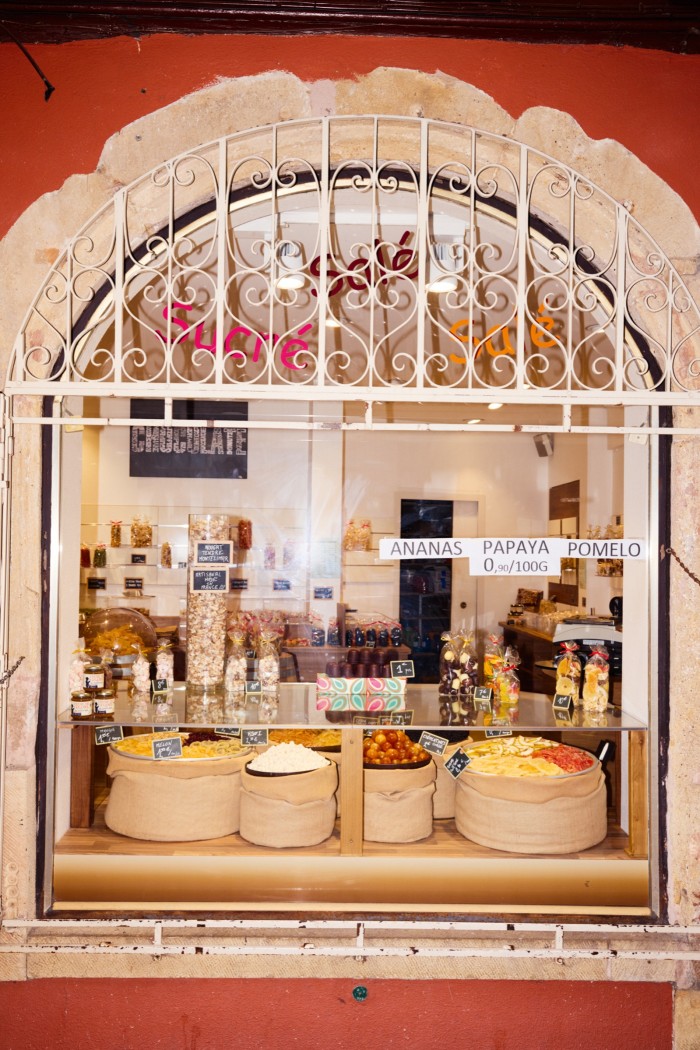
[316, 490]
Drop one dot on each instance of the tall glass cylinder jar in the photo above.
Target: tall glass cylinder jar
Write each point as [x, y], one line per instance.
[206, 608]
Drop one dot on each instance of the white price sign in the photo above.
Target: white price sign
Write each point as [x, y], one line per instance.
[510, 565]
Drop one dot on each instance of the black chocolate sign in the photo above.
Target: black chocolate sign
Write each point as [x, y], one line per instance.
[402, 669]
[482, 698]
[254, 737]
[187, 451]
[133, 583]
[170, 747]
[561, 702]
[138, 559]
[238, 584]
[213, 553]
[492, 733]
[435, 744]
[210, 579]
[96, 583]
[457, 762]
[281, 585]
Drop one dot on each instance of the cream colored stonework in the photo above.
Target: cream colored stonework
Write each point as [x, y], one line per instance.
[38, 238]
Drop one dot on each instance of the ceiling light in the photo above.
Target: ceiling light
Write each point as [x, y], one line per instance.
[291, 261]
[443, 260]
[494, 405]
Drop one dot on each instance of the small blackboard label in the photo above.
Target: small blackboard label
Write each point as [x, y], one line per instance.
[253, 688]
[482, 698]
[133, 583]
[281, 585]
[562, 717]
[368, 720]
[402, 669]
[165, 729]
[323, 593]
[108, 734]
[254, 737]
[492, 733]
[401, 718]
[213, 553]
[210, 579]
[236, 584]
[435, 744]
[138, 559]
[159, 685]
[228, 730]
[171, 747]
[96, 583]
[561, 702]
[457, 762]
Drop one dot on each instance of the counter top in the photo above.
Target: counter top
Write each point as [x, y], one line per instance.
[522, 628]
[298, 707]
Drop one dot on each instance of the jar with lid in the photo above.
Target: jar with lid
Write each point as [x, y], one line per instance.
[81, 705]
[104, 703]
[94, 677]
[206, 608]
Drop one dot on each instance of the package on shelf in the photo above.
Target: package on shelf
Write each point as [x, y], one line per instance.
[360, 694]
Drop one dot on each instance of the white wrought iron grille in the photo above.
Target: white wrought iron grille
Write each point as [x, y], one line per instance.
[364, 258]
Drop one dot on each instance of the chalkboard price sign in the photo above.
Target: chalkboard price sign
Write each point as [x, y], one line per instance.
[562, 717]
[367, 720]
[133, 583]
[254, 737]
[171, 747]
[457, 762]
[228, 730]
[281, 585]
[210, 579]
[108, 734]
[561, 702]
[482, 698]
[401, 718]
[253, 688]
[213, 554]
[237, 584]
[159, 685]
[97, 583]
[402, 669]
[138, 559]
[435, 744]
[493, 733]
[323, 593]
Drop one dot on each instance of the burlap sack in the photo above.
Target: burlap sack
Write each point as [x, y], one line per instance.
[296, 788]
[563, 823]
[173, 800]
[445, 784]
[398, 803]
[274, 822]
[402, 816]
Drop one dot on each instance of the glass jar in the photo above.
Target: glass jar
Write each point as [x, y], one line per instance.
[206, 609]
[104, 703]
[94, 677]
[81, 706]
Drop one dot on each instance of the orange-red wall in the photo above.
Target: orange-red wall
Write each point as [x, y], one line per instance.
[647, 100]
[265, 1014]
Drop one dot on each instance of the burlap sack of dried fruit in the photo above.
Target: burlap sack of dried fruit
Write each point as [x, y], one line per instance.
[173, 800]
[532, 815]
[445, 784]
[296, 809]
[398, 803]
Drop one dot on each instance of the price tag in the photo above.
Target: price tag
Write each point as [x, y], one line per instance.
[435, 744]
[401, 718]
[171, 747]
[159, 685]
[108, 734]
[367, 720]
[254, 737]
[237, 584]
[281, 585]
[482, 698]
[457, 762]
[402, 669]
[323, 593]
[213, 553]
[253, 688]
[491, 733]
[561, 702]
[133, 583]
[210, 579]
[96, 583]
[165, 729]
[138, 559]
[228, 730]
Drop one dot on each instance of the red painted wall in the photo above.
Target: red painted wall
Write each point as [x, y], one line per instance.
[199, 1014]
[647, 100]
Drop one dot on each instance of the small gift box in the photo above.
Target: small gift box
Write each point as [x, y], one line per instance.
[360, 694]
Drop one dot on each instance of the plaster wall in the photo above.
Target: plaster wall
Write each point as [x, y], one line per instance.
[40, 232]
